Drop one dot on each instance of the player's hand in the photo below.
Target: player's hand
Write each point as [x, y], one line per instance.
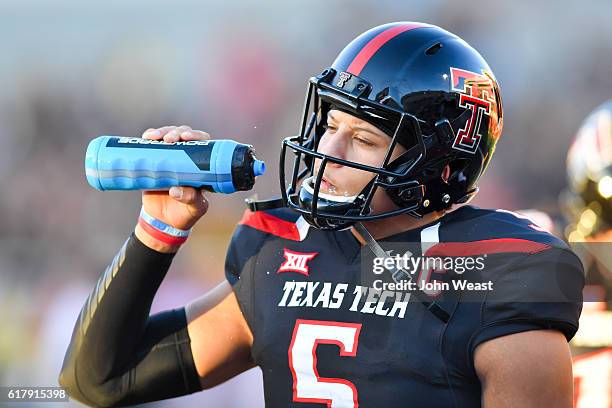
[181, 207]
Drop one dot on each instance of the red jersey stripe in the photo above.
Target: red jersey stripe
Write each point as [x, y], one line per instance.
[270, 224]
[487, 246]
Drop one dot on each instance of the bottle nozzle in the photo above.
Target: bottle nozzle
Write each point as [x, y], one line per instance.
[259, 167]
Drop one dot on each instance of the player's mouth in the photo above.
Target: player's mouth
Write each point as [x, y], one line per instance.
[328, 190]
[328, 187]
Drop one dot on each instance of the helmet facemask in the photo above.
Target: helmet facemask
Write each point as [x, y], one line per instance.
[334, 212]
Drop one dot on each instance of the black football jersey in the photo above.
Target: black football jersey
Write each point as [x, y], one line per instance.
[324, 336]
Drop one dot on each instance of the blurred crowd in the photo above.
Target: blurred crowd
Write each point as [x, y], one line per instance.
[72, 71]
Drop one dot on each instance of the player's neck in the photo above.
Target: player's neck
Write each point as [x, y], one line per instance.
[394, 225]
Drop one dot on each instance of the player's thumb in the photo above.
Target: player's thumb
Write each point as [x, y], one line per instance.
[194, 199]
[185, 195]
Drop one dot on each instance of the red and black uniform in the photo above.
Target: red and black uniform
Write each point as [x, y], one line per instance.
[322, 337]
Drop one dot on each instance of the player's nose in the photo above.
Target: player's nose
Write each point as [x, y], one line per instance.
[335, 146]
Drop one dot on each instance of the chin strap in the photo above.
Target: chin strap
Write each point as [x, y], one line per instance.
[400, 274]
[262, 205]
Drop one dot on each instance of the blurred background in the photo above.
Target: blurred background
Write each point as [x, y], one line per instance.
[73, 70]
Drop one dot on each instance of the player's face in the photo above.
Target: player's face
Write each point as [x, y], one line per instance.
[350, 138]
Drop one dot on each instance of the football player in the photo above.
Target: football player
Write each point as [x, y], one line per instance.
[588, 202]
[395, 135]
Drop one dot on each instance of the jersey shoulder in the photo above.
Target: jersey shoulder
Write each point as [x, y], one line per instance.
[279, 222]
[536, 279]
[471, 223]
[254, 229]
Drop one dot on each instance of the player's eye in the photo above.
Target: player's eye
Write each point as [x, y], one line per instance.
[363, 141]
[330, 127]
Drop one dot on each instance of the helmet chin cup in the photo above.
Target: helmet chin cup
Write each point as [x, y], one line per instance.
[320, 214]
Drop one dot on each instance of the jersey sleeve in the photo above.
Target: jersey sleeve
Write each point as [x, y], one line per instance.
[541, 291]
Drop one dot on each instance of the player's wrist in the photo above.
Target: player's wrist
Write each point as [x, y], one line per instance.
[158, 235]
[152, 243]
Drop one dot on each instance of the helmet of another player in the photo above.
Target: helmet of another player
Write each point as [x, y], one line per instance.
[588, 200]
[428, 91]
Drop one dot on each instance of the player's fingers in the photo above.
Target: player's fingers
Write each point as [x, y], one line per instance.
[187, 133]
[152, 133]
[194, 135]
[165, 129]
[182, 128]
[157, 133]
[174, 134]
[168, 133]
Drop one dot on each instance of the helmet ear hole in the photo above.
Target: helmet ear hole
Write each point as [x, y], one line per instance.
[446, 172]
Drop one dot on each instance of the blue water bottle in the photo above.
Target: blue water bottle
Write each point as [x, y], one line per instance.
[131, 163]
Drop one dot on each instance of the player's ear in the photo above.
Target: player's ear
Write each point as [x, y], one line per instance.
[446, 173]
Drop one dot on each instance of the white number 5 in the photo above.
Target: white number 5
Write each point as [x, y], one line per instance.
[308, 386]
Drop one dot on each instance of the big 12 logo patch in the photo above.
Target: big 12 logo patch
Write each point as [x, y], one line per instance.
[476, 93]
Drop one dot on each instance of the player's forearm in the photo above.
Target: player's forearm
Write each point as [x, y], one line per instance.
[119, 304]
[117, 352]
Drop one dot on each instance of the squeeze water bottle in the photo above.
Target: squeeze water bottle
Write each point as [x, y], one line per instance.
[132, 163]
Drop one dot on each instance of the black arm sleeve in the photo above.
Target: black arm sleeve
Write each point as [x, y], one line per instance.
[118, 354]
